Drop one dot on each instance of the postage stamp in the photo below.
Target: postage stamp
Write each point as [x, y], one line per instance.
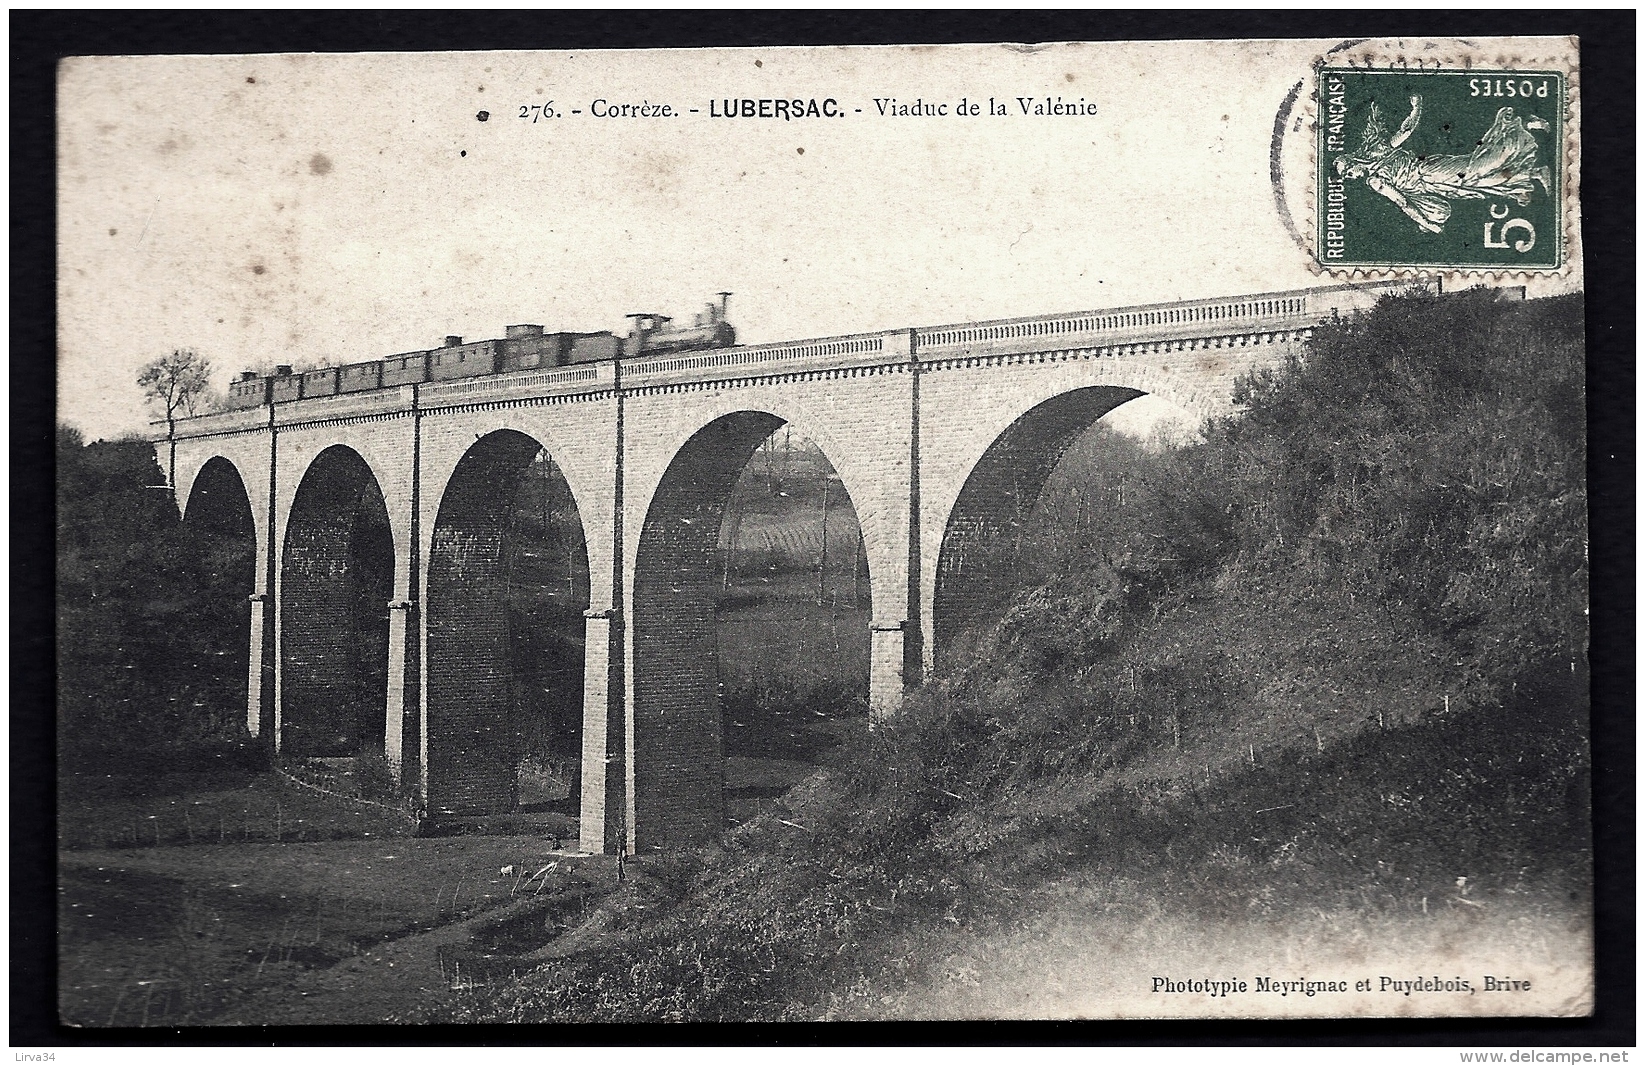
[1440, 168]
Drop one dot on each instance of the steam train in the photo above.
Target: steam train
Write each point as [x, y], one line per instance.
[523, 347]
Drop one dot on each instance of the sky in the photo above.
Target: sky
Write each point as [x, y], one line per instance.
[325, 209]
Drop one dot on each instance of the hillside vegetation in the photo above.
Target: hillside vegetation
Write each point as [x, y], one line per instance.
[152, 623]
[1325, 662]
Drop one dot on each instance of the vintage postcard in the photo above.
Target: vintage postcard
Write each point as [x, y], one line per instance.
[1082, 530]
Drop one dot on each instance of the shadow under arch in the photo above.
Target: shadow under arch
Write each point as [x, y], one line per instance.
[336, 578]
[999, 493]
[218, 499]
[677, 793]
[504, 670]
[222, 534]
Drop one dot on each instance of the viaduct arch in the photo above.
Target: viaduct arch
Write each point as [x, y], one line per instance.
[1002, 487]
[676, 747]
[217, 496]
[474, 733]
[941, 435]
[335, 577]
[221, 526]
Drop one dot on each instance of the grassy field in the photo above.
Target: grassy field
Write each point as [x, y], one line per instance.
[350, 918]
[233, 806]
[880, 888]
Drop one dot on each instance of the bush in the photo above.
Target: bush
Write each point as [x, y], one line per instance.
[151, 616]
[1431, 455]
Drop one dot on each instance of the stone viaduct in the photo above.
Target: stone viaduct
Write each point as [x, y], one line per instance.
[938, 434]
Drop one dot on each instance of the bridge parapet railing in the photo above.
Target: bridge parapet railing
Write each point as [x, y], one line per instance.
[564, 380]
[822, 353]
[216, 422]
[345, 405]
[1264, 312]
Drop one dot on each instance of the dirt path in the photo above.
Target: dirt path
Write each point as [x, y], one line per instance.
[390, 983]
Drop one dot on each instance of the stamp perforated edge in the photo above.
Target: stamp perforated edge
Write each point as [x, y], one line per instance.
[1498, 54]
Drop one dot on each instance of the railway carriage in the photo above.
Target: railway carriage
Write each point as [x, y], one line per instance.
[523, 347]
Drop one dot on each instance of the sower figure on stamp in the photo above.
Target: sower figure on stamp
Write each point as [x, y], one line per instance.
[1503, 165]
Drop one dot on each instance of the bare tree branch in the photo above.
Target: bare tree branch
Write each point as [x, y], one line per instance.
[176, 381]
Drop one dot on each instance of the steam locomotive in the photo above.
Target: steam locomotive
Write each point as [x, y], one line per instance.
[522, 347]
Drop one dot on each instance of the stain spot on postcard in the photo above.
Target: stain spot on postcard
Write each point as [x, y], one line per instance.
[661, 171]
[482, 115]
[320, 164]
[258, 268]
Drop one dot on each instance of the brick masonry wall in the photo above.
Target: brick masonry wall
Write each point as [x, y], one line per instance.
[685, 448]
[580, 436]
[326, 687]
[473, 743]
[860, 420]
[384, 445]
[602, 805]
[248, 453]
[219, 504]
[677, 796]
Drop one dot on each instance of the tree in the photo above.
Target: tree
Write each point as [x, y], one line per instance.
[152, 628]
[176, 381]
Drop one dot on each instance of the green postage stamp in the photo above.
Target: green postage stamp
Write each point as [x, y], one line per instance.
[1441, 168]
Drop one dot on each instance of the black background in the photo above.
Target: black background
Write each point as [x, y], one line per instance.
[39, 38]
